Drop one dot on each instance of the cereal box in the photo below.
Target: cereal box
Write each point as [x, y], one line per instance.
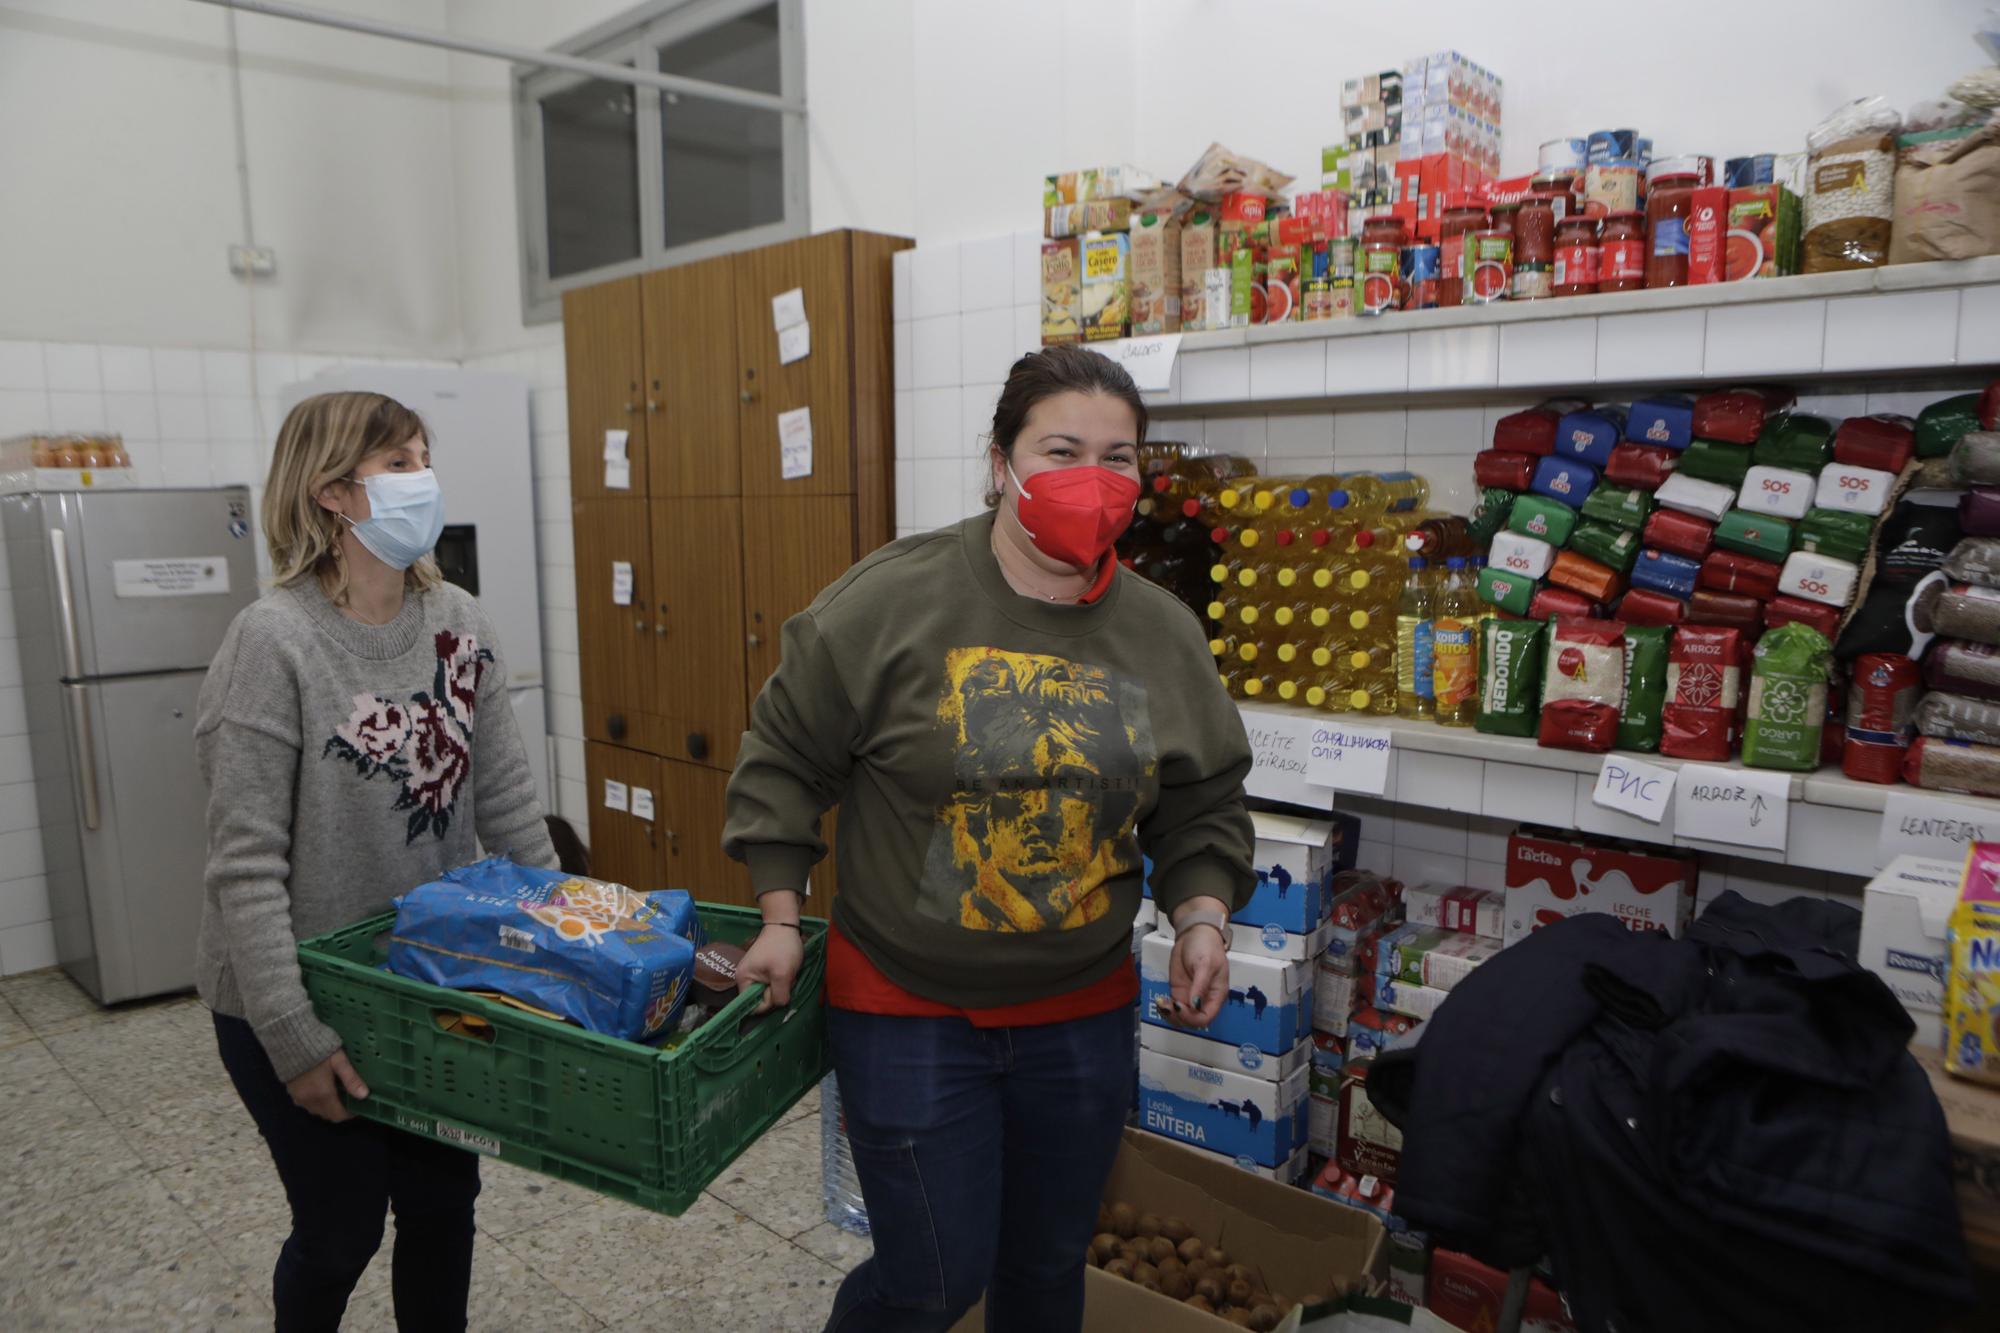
[1550, 877]
[1106, 309]
[1972, 986]
[1062, 293]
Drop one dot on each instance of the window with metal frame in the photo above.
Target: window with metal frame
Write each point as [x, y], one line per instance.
[614, 178]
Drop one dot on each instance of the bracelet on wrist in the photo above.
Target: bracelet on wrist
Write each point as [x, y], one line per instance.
[790, 925]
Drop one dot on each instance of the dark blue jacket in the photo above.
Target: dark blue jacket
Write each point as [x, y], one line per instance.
[1720, 1132]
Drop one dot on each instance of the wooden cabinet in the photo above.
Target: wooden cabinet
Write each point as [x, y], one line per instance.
[721, 549]
[601, 349]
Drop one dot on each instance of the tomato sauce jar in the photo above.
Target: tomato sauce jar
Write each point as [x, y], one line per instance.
[1381, 262]
[1621, 252]
[1461, 219]
[1576, 256]
[1668, 199]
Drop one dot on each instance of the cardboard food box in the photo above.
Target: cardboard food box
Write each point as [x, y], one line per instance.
[1764, 232]
[1707, 229]
[1189, 1044]
[1371, 1031]
[1465, 1292]
[1081, 219]
[1550, 876]
[1466, 910]
[1270, 1003]
[1422, 955]
[1300, 1244]
[1904, 912]
[1201, 256]
[1394, 996]
[1237, 1115]
[1156, 274]
[1077, 187]
[1294, 859]
[1333, 998]
[1366, 1194]
[1324, 1094]
[1106, 309]
[1272, 941]
[1062, 293]
[1972, 1119]
[1366, 1144]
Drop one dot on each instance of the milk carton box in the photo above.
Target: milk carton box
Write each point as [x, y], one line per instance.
[1295, 860]
[1188, 1044]
[1904, 914]
[1550, 877]
[1228, 1113]
[1269, 1005]
[1267, 941]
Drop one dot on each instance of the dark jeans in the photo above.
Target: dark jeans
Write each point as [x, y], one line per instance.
[340, 1180]
[982, 1153]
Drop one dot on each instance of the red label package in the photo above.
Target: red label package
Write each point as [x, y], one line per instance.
[1704, 685]
[1468, 1294]
[1550, 877]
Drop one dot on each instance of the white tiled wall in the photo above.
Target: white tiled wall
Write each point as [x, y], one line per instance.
[190, 417]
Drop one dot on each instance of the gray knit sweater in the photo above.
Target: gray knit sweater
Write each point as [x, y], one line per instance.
[346, 763]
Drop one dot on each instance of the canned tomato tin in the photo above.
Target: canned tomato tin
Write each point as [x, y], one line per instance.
[1879, 707]
[1420, 276]
[1612, 146]
[1340, 257]
[1489, 266]
[1344, 304]
[1381, 265]
[1563, 155]
[1316, 298]
[1532, 282]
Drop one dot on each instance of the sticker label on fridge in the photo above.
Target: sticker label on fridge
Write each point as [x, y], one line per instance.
[189, 576]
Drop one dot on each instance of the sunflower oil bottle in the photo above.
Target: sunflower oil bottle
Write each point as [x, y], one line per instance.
[1385, 492]
[1454, 651]
[1414, 616]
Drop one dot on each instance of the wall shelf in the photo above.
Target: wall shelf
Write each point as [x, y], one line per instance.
[1913, 322]
[1832, 825]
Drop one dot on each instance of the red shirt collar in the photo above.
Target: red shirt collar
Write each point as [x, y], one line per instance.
[1107, 569]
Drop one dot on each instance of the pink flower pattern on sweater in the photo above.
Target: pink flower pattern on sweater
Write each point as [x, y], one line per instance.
[424, 746]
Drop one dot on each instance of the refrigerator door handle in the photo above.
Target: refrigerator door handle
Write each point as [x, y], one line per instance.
[72, 648]
[86, 751]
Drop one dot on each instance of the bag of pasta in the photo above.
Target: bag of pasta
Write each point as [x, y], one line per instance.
[580, 950]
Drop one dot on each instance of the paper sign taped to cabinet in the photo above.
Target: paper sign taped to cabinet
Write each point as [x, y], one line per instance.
[617, 474]
[189, 576]
[642, 803]
[615, 445]
[794, 343]
[621, 583]
[795, 443]
[614, 795]
[788, 309]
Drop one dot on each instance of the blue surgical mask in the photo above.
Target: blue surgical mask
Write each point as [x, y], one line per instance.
[405, 516]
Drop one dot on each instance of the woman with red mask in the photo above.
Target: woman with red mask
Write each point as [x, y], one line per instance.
[1005, 719]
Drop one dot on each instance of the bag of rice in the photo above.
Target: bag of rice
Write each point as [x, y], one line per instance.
[581, 950]
[1975, 459]
[1765, 536]
[1510, 660]
[1975, 560]
[1667, 420]
[1704, 680]
[1623, 506]
[1539, 516]
[1583, 686]
[1940, 425]
[1837, 533]
[1645, 687]
[1737, 415]
[1794, 440]
[1643, 606]
[1968, 611]
[1788, 675]
[1614, 547]
[1850, 188]
[1716, 461]
[1884, 440]
[1958, 717]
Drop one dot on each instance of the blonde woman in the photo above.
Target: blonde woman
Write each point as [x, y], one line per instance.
[357, 741]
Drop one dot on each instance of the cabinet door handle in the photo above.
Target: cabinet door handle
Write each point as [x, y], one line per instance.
[749, 397]
[630, 408]
[639, 625]
[756, 641]
[652, 404]
[659, 627]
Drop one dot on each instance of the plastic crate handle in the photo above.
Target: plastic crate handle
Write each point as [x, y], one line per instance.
[731, 1048]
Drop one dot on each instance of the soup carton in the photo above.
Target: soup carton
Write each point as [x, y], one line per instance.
[1106, 309]
[1550, 877]
[1224, 1112]
[1156, 274]
[1269, 1006]
[1062, 293]
[1201, 263]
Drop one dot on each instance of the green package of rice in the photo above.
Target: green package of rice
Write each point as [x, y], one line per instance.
[1794, 440]
[1616, 547]
[1837, 533]
[1645, 688]
[1620, 506]
[1544, 519]
[1715, 460]
[1489, 515]
[1940, 424]
[1787, 698]
[1765, 536]
[1510, 675]
[1511, 592]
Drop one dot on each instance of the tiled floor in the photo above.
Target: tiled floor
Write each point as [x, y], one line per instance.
[136, 1195]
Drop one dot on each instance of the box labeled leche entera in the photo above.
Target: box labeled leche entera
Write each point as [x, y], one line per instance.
[1549, 878]
[1295, 863]
[1269, 1004]
[1233, 1114]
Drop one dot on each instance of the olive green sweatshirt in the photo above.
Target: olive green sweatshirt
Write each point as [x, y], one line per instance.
[998, 762]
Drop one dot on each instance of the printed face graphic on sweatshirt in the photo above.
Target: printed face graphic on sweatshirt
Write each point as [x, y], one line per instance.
[1049, 757]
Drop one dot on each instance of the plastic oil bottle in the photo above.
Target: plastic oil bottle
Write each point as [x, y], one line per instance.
[1414, 614]
[1454, 650]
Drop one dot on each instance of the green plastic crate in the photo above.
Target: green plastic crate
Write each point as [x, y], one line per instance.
[651, 1127]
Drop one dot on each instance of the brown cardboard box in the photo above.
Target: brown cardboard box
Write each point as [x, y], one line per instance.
[1200, 253]
[1303, 1244]
[1972, 1116]
[1156, 274]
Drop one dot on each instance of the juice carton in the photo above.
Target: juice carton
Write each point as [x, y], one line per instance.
[1764, 230]
[1062, 293]
[1156, 274]
[1707, 221]
[1106, 309]
[1200, 246]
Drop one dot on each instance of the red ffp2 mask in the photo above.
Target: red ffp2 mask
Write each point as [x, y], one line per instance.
[1075, 514]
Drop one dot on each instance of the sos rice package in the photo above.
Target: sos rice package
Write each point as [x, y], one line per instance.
[1704, 680]
[1883, 441]
[1583, 686]
[1737, 415]
[580, 950]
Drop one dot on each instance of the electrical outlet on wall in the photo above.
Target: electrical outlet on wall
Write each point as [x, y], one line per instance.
[253, 261]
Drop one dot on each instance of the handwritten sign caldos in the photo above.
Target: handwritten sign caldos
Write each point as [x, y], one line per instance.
[1149, 361]
[1279, 746]
[1915, 825]
[1745, 806]
[1349, 757]
[1634, 787]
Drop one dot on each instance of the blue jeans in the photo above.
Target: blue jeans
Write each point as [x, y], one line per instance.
[341, 1180]
[982, 1154]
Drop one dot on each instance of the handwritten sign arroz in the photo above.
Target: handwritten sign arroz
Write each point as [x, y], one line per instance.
[1926, 826]
[1349, 758]
[1634, 787]
[1279, 745]
[1746, 806]
[1149, 361]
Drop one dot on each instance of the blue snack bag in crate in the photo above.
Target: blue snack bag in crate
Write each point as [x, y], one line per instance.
[589, 952]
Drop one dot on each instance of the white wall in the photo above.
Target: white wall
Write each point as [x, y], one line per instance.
[1009, 93]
